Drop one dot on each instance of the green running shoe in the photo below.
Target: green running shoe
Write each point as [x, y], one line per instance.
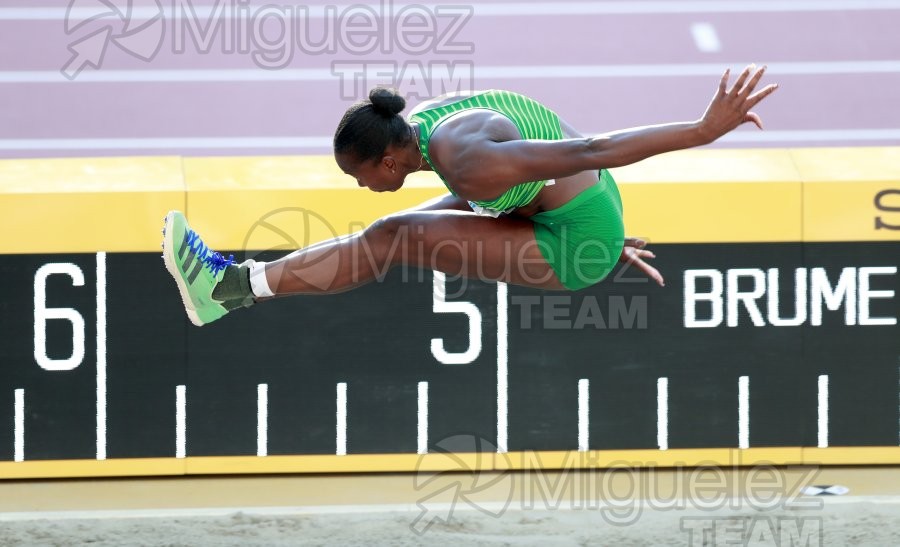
[196, 269]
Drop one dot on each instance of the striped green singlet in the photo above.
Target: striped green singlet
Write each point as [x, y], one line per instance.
[533, 120]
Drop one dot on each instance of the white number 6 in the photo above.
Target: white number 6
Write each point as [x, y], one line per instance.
[42, 313]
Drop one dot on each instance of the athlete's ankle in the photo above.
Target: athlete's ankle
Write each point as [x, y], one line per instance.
[259, 283]
[234, 286]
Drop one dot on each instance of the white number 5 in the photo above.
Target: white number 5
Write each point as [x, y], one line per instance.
[471, 311]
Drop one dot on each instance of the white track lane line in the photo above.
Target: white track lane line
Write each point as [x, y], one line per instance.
[161, 143]
[439, 508]
[813, 135]
[492, 9]
[300, 143]
[442, 71]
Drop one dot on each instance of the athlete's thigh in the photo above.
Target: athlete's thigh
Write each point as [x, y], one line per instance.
[447, 202]
[460, 243]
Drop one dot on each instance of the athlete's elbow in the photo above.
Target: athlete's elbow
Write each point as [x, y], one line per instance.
[603, 152]
[613, 155]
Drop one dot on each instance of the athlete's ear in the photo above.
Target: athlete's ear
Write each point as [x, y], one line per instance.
[389, 162]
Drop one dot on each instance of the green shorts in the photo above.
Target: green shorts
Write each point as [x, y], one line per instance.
[582, 240]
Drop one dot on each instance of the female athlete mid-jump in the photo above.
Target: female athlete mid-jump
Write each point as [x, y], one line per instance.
[531, 201]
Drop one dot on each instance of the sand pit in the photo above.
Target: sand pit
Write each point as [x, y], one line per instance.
[839, 521]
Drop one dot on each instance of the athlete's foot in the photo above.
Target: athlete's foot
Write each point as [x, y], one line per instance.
[200, 273]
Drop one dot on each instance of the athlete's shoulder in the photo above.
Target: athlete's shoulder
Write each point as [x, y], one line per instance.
[445, 99]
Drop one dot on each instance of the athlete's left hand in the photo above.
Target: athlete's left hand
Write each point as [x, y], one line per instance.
[634, 253]
[730, 108]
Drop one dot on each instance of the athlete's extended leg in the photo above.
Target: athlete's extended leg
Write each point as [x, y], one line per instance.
[456, 243]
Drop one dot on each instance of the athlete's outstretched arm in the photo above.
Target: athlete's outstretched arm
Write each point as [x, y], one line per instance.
[497, 166]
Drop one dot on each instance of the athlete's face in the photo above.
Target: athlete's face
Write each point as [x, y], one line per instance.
[381, 175]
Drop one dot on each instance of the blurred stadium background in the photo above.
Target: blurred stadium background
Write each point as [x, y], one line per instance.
[603, 65]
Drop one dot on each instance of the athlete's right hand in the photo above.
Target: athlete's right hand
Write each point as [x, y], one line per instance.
[634, 253]
[731, 108]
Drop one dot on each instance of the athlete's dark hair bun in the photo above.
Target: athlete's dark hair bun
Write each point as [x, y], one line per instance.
[386, 101]
[370, 126]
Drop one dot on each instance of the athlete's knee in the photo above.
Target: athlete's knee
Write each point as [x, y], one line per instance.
[388, 238]
[385, 229]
